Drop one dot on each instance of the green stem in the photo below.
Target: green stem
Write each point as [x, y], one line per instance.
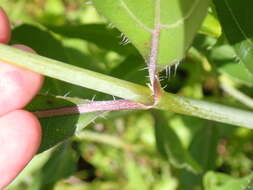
[238, 95]
[124, 89]
[206, 110]
[76, 75]
[104, 139]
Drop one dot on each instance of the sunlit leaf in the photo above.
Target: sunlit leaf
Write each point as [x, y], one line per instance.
[169, 25]
[99, 34]
[226, 60]
[237, 25]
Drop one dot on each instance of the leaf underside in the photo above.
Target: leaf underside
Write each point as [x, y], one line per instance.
[178, 21]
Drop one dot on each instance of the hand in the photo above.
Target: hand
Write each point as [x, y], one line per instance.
[20, 131]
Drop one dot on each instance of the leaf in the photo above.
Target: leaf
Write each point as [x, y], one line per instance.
[61, 164]
[203, 148]
[225, 58]
[131, 69]
[237, 25]
[220, 181]
[176, 21]
[99, 34]
[55, 129]
[211, 26]
[59, 128]
[170, 146]
[204, 145]
[46, 45]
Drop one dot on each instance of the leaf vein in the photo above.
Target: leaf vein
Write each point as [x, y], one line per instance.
[131, 14]
[182, 20]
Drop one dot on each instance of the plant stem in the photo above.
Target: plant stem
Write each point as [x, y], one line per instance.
[154, 79]
[92, 107]
[103, 138]
[75, 75]
[238, 95]
[124, 89]
[206, 110]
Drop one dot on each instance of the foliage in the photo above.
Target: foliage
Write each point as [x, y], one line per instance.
[107, 45]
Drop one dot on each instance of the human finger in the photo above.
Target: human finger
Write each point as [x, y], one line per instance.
[5, 28]
[20, 137]
[17, 86]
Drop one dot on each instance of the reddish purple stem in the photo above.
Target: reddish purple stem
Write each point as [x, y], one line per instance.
[153, 63]
[154, 54]
[154, 79]
[92, 107]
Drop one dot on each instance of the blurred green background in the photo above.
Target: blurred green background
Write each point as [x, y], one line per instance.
[135, 150]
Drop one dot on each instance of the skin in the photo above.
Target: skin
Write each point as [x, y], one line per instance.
[20, 131]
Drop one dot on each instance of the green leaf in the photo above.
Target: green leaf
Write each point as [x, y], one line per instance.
[46, 45]
[177, 22]
[55, 129]
[203, 148]
[170, 146]
[225, 58]
[220, 181]
[40, 40]
[59, 128]
[99, 34]
[237, 25]
[131, 69]
[211, 26]
[204, 145]
[61, 164]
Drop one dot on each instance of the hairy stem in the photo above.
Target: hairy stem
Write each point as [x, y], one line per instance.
[124, 89]
[76, 75]
[206, 110]
[154, 79]
[92, 107]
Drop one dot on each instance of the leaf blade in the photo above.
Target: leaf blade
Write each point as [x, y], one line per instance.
[178, 22]
[238, 29]
[170, 146]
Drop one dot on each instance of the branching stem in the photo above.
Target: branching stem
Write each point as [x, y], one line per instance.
[124, 89]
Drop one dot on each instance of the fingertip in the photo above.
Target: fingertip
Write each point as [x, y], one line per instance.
[37, 78]
[20, 137]
[5, 27]
[27, 123]
[18, 86]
